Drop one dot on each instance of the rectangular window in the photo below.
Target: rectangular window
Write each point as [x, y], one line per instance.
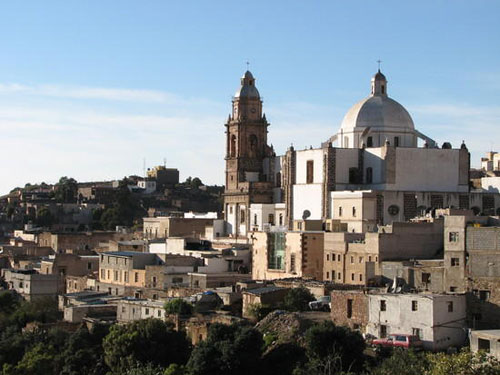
[369, 142]
[147, 311]
[242, 216]
[396, 141]
[455, 262]
[349, 308]
[339, 275]
[125, 276]
[352, 260]
[417, 332]
[338, 257]
[353, 175]
[327, 275]
[453, 236]
[292, 263]
[89, 265]
[414, 305]
[310, 171]
[271, 219]
[383, 305]
[327, 257]
[360, 277]
[484, 295]
[450, 306]
[136, 277]
[333, 275]
[383, 331]
[360, 259]
[352, 276]
[116, 276]
[103, 274]
[426, 277]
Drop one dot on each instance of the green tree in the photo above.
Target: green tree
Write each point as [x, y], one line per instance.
[44, 217]
[463, 363]
[403, 362]
[83, 353]
[330, 345]
[66, 190]
[283, 359]
[297, 299]
[228, 349]
[144, 341]
[178, 306]
[39, 360]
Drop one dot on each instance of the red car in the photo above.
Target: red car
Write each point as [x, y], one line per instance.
[399, 340]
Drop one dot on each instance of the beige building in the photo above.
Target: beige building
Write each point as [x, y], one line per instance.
[354, 258]
[120, 270]
[164, 227]
[278, 255]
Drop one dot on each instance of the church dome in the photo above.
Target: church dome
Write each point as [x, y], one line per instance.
[247, 89]
[378, 110]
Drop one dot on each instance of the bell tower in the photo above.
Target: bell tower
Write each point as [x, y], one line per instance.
[246, 148]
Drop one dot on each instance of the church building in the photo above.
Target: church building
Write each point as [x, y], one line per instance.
[372, 172]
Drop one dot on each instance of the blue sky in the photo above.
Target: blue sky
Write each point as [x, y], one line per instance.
[90, 89]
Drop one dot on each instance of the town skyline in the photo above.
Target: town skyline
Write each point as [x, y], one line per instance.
[68, 86]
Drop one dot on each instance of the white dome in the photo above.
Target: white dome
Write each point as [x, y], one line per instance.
[377, 111]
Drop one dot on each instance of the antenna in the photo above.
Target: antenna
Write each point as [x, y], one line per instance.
[248, 64]
[165, 162]
[379, 61]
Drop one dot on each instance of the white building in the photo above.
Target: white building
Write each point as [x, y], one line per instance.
[438, 319]
[487, 340]
[394, 171]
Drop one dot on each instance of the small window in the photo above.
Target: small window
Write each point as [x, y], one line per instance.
[453, 289]
[327, 257]
[369, 142]
[352, 260]
[369, 258]
[327, 275]
[281, 219]
[352, 276]
[426, 277]
[360, 277]
[242, 216]
[159, 313]
[310, 172]
[383, 331]
[414, 305]
[147, 311]
[450, 306]
[396, 139]
[416, 332]
[255, 219]
[453, 237]
[369, 175]
[271, 219]
[339, 276]
[455, 262]
[484, 295]
[383, 305]
[354, 212]
[353, 174]
[360, 259]
[340, 211]
[338, 257]
[349, 308]
[333, 275]
[136, 277]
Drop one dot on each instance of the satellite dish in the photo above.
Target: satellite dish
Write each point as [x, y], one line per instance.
[306, 214]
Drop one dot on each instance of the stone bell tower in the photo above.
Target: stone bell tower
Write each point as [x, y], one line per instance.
[246, 148]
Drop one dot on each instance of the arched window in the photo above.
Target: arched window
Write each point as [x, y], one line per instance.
[232, 146]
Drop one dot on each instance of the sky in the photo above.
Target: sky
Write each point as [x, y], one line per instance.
[94, 89]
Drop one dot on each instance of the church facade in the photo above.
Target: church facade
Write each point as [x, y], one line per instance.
[371, 172]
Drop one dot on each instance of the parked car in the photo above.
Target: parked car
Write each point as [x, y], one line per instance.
[399, 340]
[322, 303]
